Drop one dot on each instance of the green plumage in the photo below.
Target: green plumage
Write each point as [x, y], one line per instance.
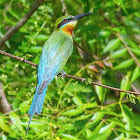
[56, 51]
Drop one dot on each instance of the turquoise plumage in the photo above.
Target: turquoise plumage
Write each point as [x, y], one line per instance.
[55, 54]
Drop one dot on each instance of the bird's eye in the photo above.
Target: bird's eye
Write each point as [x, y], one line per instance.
[65, 20]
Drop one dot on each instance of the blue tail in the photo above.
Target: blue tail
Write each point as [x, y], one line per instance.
[37, 104]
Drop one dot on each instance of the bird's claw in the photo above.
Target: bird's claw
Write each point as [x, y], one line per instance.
[61, 75]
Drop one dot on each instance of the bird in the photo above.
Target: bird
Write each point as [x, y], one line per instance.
[55, 53]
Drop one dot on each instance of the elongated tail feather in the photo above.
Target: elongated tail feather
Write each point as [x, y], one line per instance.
[37, 104]
[29, 124]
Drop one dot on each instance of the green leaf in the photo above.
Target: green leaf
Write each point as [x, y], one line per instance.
[109, 113]
[136, 51]
[116, 120]
[77, 100]
[104, 34]
[135, 74]
[104, 132]
[3, 126]
[119, 53]
[125, 85]
[36, 49]
[128, 118]
[14, 14]
[100, 93]
[107, 128]
[73, 112]
[96, 118]
[83, 117]
[63, 119]
[88, 133]
[113, 44]
[79, 109]
[97, 129]
[24, 106]
[16, 121]
[120, 137]
[42, 135]
[41, 37]
[33, 124]
[68, 137]
[121, 4]
[124, 64]
[88, 105]
[3, 137]
[68, 126]
[73, 88]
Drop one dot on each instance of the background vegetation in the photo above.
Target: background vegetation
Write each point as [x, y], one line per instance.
[103, 46]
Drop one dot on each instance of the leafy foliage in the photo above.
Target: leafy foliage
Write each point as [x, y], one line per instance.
[74, 110]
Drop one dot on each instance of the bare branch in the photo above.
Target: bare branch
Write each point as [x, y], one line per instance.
[105, 86]
[64, 8]
[69, 76]
[18, 58]
[21, 22]
[4, 105]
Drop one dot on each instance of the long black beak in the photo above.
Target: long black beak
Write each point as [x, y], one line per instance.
[81, 16]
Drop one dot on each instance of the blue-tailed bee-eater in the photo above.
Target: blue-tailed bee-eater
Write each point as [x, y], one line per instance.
[56, 51]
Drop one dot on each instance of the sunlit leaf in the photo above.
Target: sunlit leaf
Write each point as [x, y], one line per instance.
[96, 118]
[125, 84]
[83, 117]
[88, 133]
[124, 64]
[119, 53]
[128, 118]
[120, 137]
[97, 129]
[16, 121]
[113, 44]
[135, 74]
[87, 105]
[104, 132]
[68, 137]
[100, 93]
[73, 112]
[77, 100]
[4, 126]
[136, 51]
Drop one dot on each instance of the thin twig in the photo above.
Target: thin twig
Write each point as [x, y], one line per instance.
[64, 8]
[18, 58]
[105, 86]
[69, 76]
[129, 51]
[21, 22]
[122, 40]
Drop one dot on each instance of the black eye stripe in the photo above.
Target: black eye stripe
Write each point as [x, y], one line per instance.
[64, 21]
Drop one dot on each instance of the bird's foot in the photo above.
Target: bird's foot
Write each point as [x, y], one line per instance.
[61, 75]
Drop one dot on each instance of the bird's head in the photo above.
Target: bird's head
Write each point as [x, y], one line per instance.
[67, 23]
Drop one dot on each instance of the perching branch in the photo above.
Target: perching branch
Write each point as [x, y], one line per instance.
[21, 22]
[18, 58]
[69, 76]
